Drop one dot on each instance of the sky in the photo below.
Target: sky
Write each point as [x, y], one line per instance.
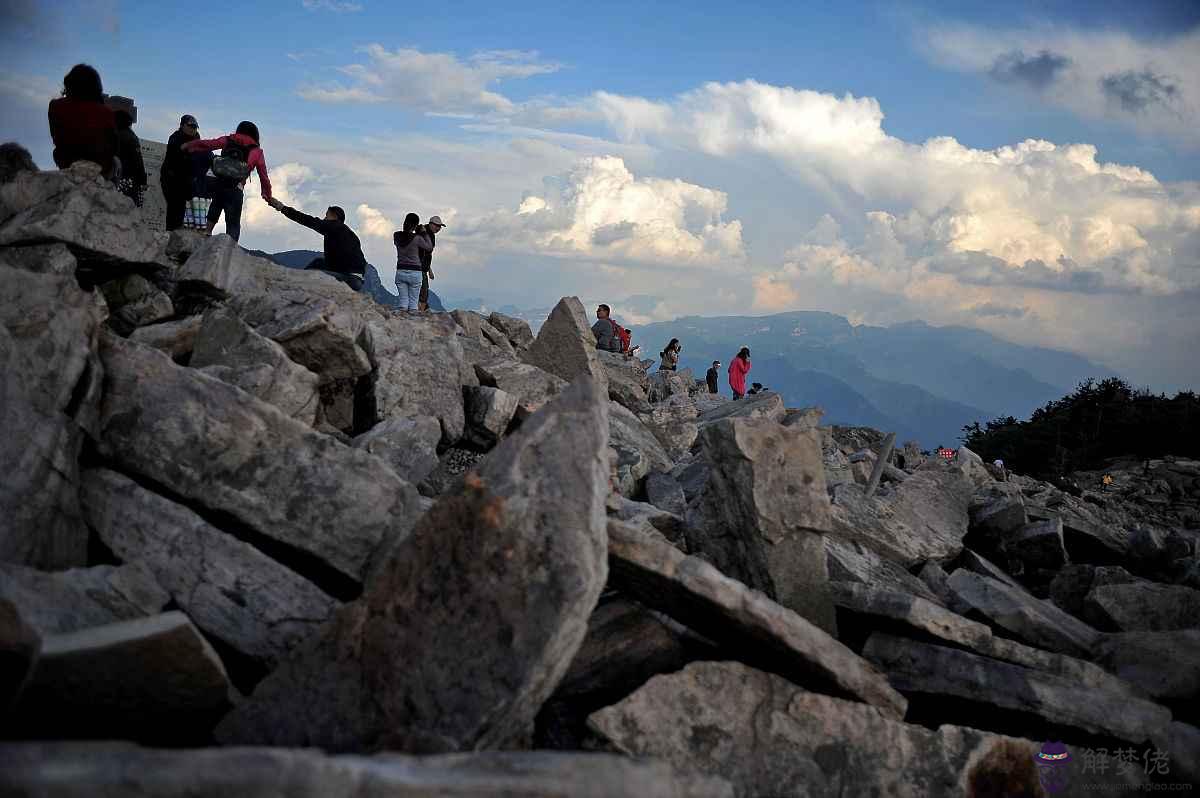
[1027, 168]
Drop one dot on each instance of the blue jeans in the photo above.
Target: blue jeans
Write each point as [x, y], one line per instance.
[227, 197]
[408, 283]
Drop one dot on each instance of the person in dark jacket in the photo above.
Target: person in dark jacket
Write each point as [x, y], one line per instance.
[343, 252]
[175, 176]
[713, 376]
[431, 229]
[129, 151]
[82, 126]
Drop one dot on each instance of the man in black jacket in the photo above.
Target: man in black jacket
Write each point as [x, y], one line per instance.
[712, 376]
[343, 252]
[175, 174]
[431, 229]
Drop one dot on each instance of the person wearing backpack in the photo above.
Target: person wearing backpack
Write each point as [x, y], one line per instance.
[610, 336]
[669, 357]
[241, 154]
[344, 258]
[739, 367]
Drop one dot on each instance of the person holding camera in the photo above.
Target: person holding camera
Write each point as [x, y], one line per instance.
[669, 357]
[410, 242]
[430, 229]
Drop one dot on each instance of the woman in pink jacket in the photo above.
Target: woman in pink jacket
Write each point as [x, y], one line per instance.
[241, 154]
[739, 367]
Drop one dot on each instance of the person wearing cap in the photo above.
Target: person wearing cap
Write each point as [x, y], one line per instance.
[175, 176]
[344, 258]
[713, 376]
[431, 229]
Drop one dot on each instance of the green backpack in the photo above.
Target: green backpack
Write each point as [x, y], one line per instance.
[233, 162]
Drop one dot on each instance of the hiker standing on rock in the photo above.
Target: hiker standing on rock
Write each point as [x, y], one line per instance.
[410, 242]
[713, 376]
[669, 357]
[739, 367]
[175, 176]
[82, 126]
[344, 258]
[431, 229]
[241, 154]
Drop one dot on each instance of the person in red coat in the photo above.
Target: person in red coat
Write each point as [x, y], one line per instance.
[82, 126]
[739, 367]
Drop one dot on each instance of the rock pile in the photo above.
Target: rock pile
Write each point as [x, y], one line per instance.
[249, 507]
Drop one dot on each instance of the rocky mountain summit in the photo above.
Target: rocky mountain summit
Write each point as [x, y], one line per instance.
[262, 536]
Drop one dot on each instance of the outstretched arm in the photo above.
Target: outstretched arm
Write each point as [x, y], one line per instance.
[201, 145]
[296, 216]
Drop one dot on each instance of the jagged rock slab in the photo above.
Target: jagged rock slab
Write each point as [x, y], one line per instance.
[900, 609]
[927, 672]
[182, 243]
[802, 417]
[764, 511]
[752, 626]
[922, 518]
[1165, 665]
[489, 412]
[981, 565]
[214, 446]
[478, 329]
[1071, 585]
[230, 350]
[627, 381]
[532, 386]
[176, 338]
[408, 445]
[77, 208]
[42, 258]
[49, 388]
[772, 738]
[1077, 671]
[20, 646]
[999, 511]
[673, 422]
[1032, 620]
[119, 770]
[765, 405]
[650, 519]
[230, 589]
[665, 493]
[149, 678]
[419, 370]
[565, 345]
[638, 451]
[850, 561]
[134, 301]
[517, 330]
[522, 553]
[938, 581]
[80, 598]
[1144, 607]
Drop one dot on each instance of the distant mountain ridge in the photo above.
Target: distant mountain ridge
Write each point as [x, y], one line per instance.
[372, 284]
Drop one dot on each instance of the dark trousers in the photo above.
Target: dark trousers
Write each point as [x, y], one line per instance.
[227, 197]
[423, 298]
[352, 280]
[176, 205]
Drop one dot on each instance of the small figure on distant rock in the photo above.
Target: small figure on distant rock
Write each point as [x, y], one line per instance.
[431, 229]
[610, 336]
[14, 159]
[82, 126]
[410, 243]
[175, 176]
[713, 376]
[343, 258]
[755, 388]
[241, 154]
[739, 367]
[669, 357]
[1001, 472]
[1106, 482]
[132, 182]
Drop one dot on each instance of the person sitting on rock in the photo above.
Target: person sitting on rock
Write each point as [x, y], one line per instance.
[82, 126]
[739, 367]
[669, 357]
[713, 376]
[605, 330]
[343, 258]
[755, 388]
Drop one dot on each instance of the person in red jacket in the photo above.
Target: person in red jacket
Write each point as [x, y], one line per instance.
[82, 126]
[739, 367]
[227, 193]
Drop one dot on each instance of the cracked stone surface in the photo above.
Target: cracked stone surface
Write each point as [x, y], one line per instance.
[59, 602]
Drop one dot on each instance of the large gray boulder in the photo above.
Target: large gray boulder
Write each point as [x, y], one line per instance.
[517, 330]
[1165, 665]
[153, 678]
[665, 493]
[662, 385]
[772, 738]
[627, 381]
[932, 673]
[1023, 616]
[750, 626]
[638, 452]
[217, 448]
[1144, 607]
[49, 389]
[390, 669]
[120, 770]
[230, 350]
[673, 422]
[80, 598]
[922, 518]
[850, 561]
[408, 445]
[889, 608]
[419, 369]
[78, 208]
[134, 302]
[532, 386]
[762, 516]
[478, 329]
[230, 589]
[176, 338]
[489, 412]
[40, 258]
[565, 345]
[764, 405]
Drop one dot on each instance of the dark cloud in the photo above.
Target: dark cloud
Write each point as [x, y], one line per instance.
[1037, 71]
[1135, 91]
[612, 233]
[999, 311]
[979, 268]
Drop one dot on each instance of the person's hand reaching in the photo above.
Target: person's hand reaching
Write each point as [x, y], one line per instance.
[276, 204]
[431, 277]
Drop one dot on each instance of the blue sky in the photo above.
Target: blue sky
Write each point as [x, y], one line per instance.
[869, 159]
